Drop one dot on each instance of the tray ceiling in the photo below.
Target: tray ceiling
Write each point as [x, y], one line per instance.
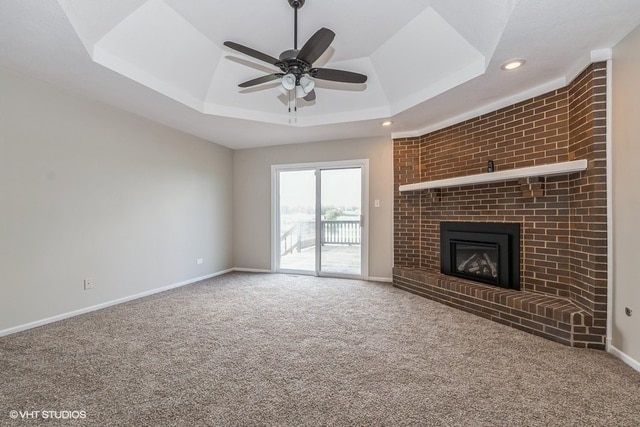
[429, 62]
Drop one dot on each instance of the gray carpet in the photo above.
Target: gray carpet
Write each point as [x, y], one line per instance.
[250, 349]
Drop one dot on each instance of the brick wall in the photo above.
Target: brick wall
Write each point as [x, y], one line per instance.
[563, 218]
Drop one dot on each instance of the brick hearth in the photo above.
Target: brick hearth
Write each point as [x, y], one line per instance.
[563, 218]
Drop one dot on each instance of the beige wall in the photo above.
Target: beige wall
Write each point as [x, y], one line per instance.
[252, 197]
[626, 194]
[90, 191]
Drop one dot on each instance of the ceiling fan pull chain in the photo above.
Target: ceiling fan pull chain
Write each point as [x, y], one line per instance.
[289, 104]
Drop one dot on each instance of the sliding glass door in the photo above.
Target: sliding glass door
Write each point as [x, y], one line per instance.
[340, 221]
[319, 219]
[297, 220]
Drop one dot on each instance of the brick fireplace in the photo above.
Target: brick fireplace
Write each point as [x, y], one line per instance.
[562, 218]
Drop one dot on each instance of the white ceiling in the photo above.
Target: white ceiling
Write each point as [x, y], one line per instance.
[429, 63]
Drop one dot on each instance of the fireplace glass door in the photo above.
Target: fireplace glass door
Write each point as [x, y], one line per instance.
[477, 261]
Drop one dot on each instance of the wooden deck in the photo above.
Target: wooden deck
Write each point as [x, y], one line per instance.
[341, 259]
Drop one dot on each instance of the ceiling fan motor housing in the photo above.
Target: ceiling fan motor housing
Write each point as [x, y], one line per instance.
[289, 55]
[290, 64]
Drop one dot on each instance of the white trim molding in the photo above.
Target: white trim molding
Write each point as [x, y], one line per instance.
[380, 279]
[251, 270]
[609, 157]
[624, 357]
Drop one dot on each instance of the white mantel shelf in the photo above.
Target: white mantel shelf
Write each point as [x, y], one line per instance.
[508, 175]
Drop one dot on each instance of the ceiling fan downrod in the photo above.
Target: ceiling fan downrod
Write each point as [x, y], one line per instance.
[295, 4]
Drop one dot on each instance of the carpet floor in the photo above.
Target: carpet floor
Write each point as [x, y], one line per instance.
[282, 350]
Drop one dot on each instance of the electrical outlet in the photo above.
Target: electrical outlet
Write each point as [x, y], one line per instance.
[88, 284]
[199, 261]
[628, 311]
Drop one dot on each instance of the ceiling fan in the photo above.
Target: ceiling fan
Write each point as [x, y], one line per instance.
[296, 66]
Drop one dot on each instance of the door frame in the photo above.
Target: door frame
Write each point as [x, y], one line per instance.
[363, 164]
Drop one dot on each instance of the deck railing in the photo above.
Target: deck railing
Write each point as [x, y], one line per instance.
[302, 235]
[340, 232]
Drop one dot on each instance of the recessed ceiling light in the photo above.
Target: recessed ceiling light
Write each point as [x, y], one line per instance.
[513, 64]
[387, 123]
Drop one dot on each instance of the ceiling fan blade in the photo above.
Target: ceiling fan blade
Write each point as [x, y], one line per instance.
[251, 52]
[261, 80]
[311, 96]
[337, 75]
[316, 45]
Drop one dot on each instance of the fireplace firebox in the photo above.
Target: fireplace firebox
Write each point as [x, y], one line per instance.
[483, 252]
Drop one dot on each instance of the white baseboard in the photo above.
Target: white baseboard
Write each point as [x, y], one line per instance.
[69, 314]
[380, 279]
[624, 357]
[251, 270]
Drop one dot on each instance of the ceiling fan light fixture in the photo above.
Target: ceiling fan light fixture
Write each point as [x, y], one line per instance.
[307, 84]
[289, 81]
